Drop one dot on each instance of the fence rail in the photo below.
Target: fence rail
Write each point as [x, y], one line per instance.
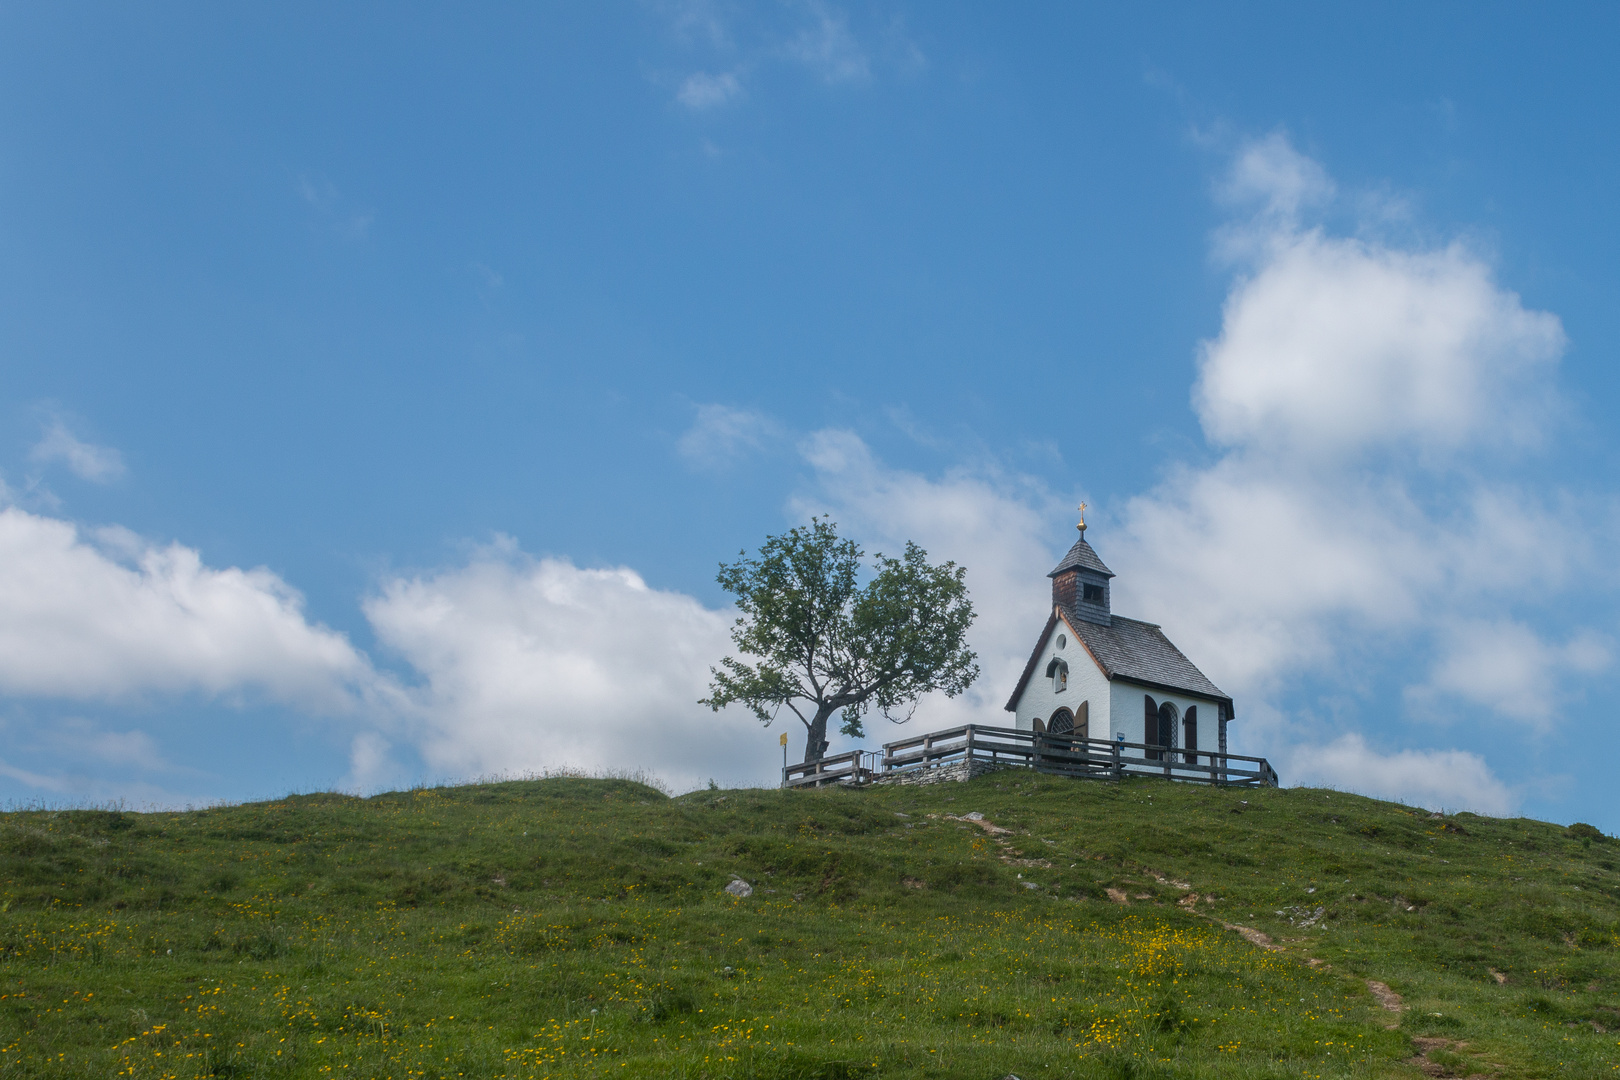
[1070, 756]
[1044, 752]
[855, 767]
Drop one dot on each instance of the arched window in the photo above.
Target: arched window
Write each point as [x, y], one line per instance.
[1167, 724]
[1150, 724]
[1189, 733]
[1062, 722]
[1058, 672]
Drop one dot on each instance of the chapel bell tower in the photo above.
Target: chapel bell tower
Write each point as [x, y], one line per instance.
[1080, 582]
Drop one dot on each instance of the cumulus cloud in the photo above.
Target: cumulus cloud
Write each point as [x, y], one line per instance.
[1367, 402]
[700, 90]
[106, 616]
[1335, 346]
[98, 464]
[720, 434]
[1437, 779]
[535, 663]
[1331, 350]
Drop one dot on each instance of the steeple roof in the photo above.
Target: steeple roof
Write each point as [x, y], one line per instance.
[1081, 557]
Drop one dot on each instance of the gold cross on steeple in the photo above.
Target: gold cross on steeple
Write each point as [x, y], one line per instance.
[1082, 525]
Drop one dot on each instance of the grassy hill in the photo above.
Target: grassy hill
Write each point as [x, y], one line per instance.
[572, 927]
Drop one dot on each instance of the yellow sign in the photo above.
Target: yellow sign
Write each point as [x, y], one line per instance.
[783, 740]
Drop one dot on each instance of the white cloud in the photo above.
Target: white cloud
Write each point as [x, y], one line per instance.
[371, 764]
[107, 616]
[811, 35]
[99, 464]
[828, 47]
[82, 739]
[1368, 402]
[535, 663]
[1503, 665]
[1282, 181]
[1336, 346]
[721, 434]
[699, 20]
[1331, 351]
[1437, 779]
[701, 90]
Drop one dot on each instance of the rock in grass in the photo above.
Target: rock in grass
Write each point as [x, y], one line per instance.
[740, 888]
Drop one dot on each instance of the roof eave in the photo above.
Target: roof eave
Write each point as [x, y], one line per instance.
[1149, 684]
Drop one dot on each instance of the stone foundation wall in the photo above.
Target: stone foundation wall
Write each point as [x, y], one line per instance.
[942, 774]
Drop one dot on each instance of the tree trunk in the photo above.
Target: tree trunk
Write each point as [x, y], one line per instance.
[815, 744]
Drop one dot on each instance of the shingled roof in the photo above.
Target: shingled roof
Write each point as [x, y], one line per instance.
[1081, 557]
[1127, 649]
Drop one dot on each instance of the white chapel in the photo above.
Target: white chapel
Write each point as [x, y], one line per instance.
[1098, 675]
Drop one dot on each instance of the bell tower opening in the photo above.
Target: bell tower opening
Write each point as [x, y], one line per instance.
[1080, 582]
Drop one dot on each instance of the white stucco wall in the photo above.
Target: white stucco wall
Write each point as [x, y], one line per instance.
[1128, 712]
[1086, 683]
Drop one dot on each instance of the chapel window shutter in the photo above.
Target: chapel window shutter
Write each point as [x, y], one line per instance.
[1082, 721]
[1150, 722]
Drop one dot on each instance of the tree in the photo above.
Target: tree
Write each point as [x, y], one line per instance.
[821, 642]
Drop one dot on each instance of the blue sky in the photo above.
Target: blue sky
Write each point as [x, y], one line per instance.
[381, 386]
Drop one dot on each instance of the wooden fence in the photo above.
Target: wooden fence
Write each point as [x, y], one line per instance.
[855, 767]
[1059, 755]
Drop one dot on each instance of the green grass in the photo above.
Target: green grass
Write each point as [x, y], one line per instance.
[571, 927]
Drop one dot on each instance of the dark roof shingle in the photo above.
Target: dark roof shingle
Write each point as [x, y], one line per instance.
[1083, 558]
[1128, 649]
[1139, 651]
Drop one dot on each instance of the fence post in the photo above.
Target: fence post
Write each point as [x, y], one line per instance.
[1119, 768]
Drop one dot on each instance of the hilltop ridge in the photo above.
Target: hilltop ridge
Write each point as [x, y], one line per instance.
[1015, 923]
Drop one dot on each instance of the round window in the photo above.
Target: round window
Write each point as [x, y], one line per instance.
[1061, 641]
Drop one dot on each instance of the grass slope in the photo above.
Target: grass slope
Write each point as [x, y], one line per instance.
[572, 927]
